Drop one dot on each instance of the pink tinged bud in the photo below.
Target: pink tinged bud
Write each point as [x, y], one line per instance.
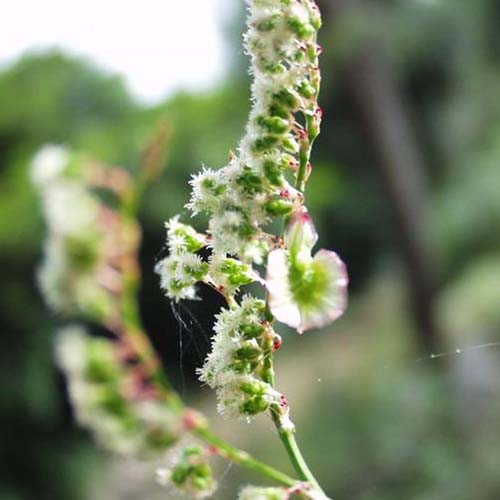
[276, 342]
[300, 235]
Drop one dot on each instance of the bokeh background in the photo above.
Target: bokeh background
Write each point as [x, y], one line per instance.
[406, 187]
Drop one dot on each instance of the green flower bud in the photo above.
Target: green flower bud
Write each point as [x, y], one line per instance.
[312, 52]
[83, 254]
[241, 366]
[198, 272]
[265, 143]
[273, 124]
[215, 188]
[254, 387]
[100, 367]
[268, 24]
[252, 330]
[290, 144]
[250, 182]
[286, 99]
[192, 474]
[110, 401]
[316, 18]
[272, 67]
[277, 109]
[279, 207]
[273, 173]
[305, 89]
[180, 473]
[302, 29]
[236, 271]
[193, 244]
[249, 350]
[254, 405]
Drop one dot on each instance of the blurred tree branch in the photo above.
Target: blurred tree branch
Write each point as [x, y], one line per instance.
[375, 92]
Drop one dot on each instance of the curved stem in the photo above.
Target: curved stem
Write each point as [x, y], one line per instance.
[286, 433]
[287, 436]
[243, 458]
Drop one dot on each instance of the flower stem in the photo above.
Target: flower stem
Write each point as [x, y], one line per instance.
[287, 436]
[243, 458]
[286, 433]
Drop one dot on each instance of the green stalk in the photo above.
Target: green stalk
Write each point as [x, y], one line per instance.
[287, 437]
[287, 434]
[243, 458]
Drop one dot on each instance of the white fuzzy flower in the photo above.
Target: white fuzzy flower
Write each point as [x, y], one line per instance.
[224, 231]
[243, 396]
[67, 276]
[183, 237]
[179, 273]
[70, 349]
[183, 268]
[228, 274]
[69, 208]
[207, 188]
[48, 164]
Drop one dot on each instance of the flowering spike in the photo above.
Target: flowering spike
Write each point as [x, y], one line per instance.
[78, 273]
[97, 387]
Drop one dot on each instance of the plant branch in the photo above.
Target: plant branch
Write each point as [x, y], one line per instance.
[132, 332]
[243, 458]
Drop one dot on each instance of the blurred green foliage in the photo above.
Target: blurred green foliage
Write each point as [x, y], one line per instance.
[400, 432]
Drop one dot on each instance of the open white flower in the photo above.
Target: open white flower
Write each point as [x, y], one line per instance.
[305, 292]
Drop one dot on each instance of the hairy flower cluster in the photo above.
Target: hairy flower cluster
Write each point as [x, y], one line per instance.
[190, 473]
[184, 267]
[101, 387]
[78, 273]
[236, 364]
[254, 188]
[263, 181]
